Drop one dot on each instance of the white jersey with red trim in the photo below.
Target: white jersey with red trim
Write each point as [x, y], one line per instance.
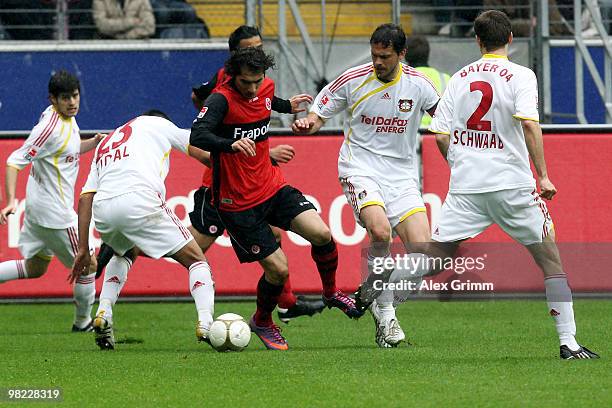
[53, 149]
[481, 110]
[135, 157]
[381, 121]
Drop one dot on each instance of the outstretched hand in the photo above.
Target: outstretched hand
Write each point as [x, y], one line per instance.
[82, 260]
[296, 100]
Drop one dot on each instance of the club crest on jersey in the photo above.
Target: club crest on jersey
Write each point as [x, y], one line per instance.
[324, 101]
[268, 104]
[30, 154]
[405, 105]
[362, 195]
[203, 112]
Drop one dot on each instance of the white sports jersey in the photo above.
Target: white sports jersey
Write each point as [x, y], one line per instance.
[381, 121]
[53, 148]
[135, 157]
[481, 111]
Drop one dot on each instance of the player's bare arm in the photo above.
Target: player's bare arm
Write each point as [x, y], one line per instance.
[535, 146]
[282, 153]
[443, 141]
[200, 155]
[91, 143]
[308, 125]
[11, 187]
[82, 260]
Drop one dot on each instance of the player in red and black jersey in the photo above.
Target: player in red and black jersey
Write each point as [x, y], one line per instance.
[250, 194]
[205, 224]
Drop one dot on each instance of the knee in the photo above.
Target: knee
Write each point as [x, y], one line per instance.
[278, 272]
[36, 267]
[380, 233]
[321, 237]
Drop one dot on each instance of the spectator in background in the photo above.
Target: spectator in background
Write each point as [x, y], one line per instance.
[417, 56]
[178, 19]
[34, 21]
[523, 20]
[124, 19]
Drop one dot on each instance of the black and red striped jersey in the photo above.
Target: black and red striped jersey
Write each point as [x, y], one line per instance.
[239, 182]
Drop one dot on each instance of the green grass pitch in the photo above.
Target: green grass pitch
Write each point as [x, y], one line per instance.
[496, 353]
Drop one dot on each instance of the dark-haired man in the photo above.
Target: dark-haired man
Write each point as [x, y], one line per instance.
[417, 56]
[125, 188]
[250, 194]
[383, 101]
[205, 224]
[487, 127]
[49, 228]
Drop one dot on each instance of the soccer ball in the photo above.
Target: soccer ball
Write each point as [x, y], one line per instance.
[229, 332]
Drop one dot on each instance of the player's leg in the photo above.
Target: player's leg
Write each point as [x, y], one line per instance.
[201, 285]
[294, 212]
[64, 244]
[324, 253]
[523, 215]
[106, 253]
[269, 288]
[35, 253]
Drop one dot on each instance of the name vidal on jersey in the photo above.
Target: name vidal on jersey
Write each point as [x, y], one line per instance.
[118, 154]
[478, 140]
[390, 125]
[251, 133]
[486, 67]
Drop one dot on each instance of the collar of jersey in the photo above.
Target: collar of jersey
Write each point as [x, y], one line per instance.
[494, 56]
[395, 80]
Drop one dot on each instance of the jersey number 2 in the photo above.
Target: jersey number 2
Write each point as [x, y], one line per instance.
[475, 121]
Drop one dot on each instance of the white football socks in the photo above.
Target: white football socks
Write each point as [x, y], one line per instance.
[115, 277]
[202, 290]
[11, 270]
[560, 307]
[84, 295]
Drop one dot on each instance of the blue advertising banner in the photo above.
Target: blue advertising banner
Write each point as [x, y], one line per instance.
[116, 85]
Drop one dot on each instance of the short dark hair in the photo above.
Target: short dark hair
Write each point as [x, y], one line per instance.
[63, 82]
[417, 51]
[493, 28]
[253, 59]
[242, 33]
[389, 34]
[157, 113]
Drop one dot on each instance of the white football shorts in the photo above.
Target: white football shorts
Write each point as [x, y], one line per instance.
[35, 240]
[399, 202]
[521, 213]
[142, 219]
